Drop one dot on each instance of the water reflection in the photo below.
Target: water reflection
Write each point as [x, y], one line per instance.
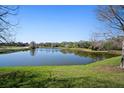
[33, 52]
[50, 50]
[95, 56]
[50, 56]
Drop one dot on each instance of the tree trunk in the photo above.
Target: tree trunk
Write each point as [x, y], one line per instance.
[122, 59]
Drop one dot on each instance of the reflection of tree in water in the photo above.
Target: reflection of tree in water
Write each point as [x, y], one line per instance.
[54, 50]
[96, 56]
[51, 50]
[33, 52]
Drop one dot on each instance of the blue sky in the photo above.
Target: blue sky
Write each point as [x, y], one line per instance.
[56, 23]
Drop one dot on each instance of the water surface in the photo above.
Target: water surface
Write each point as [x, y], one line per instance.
[49, 56]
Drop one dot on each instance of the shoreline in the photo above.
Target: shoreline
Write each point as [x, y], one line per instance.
[116, 52]
[102, 74]
[13, 49]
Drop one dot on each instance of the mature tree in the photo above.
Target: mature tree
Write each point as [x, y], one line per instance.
[97, 41]
[6, 26]
[113, 16]
[33, 45]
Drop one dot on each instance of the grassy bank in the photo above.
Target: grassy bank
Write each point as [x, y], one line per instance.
[84, 49]
[12, 49]
[94, 51]
[104, 73]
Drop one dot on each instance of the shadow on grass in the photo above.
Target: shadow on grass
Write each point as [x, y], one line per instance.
[47, 80]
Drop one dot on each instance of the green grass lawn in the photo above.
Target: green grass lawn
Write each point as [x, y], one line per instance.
[104, 73]
[12, 49]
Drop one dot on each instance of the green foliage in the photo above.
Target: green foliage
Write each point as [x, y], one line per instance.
[80, 44]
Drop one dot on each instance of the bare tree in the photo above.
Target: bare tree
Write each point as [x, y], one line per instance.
[6, 26]
[113, 16]
[93, 40]
[97, 40]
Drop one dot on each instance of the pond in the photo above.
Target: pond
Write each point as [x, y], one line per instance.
[50, 56]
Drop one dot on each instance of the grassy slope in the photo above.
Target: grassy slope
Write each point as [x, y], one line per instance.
[104, 73]
[118, 52]
[12, 49]
[84, 49]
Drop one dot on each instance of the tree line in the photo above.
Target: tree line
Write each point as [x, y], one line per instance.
[114, 43]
